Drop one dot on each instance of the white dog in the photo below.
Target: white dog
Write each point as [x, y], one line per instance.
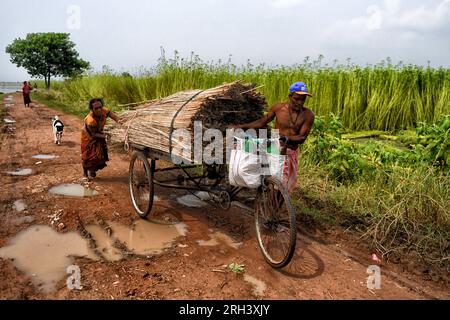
[58, 127]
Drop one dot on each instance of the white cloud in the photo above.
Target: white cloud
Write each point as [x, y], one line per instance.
[374, 18]
[392, 25]
[390, 16]
[423, 19]
[285, 3]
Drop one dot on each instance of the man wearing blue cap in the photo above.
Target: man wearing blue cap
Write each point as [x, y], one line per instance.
[294, 123]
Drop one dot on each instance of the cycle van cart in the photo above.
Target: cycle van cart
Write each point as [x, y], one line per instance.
[274, 214]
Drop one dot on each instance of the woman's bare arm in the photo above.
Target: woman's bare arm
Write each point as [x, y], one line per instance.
[114, 116]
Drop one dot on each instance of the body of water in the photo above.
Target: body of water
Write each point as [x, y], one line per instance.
[10, 89]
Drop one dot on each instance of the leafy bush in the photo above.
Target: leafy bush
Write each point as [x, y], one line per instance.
[341, 158]
[347, 161]
[434, 143]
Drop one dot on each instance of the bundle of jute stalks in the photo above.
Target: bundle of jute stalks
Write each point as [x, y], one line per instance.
[156, 124]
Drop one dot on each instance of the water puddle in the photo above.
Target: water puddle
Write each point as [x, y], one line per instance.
[104, 243]
[19, 205]
[259, 286]
[203, 195]
[21, 220]
[194, 201]
[218, 238]
[44, 156]
[20, 172]
[74, 190]
[147, 238]
[145, 196]
[44, 254]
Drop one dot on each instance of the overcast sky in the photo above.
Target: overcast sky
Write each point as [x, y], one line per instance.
[127, 35]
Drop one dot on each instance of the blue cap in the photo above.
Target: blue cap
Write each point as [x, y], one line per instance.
[299, 88]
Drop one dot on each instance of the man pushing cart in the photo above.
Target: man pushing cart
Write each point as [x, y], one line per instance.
[294, 122]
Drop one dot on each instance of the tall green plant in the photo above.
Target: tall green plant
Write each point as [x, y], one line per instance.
[381, 97]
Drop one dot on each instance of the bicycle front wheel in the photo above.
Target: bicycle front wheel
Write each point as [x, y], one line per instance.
[275, 223]
[141, 185]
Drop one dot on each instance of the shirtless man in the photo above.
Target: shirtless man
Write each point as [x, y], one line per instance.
[294, 123]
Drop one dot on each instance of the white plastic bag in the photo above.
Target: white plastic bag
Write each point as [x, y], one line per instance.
[273, 161]
[245, 167]
[276, 165]
[249, 161]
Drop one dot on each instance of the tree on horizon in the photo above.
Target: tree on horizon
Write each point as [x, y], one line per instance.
[47, 54]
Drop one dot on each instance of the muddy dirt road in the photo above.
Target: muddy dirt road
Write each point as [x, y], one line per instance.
[121, 256]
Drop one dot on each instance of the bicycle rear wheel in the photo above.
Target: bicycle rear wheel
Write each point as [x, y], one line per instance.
[275, 223]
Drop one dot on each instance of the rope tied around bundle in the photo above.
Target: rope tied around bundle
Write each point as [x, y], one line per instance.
[127, 138]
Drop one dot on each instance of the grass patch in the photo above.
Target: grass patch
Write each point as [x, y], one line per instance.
[399, 210]
[54, 100]
[50, 99]
[363, 134]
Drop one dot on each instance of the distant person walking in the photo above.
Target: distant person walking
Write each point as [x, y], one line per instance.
[26, 89]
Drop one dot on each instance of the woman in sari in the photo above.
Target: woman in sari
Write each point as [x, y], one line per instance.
[94, 151]
[26, 89]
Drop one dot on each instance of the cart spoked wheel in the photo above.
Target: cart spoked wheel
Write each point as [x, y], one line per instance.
[141, 183]
[275, 223]
[224, 200]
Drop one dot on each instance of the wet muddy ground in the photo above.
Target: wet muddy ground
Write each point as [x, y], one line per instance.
[50, 219]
